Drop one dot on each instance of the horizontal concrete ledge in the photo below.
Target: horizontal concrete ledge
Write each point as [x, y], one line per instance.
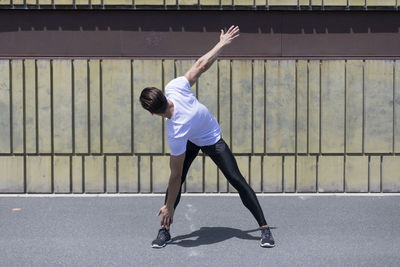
[205, 194]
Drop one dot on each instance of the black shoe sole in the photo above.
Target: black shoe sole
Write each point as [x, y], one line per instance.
[157, 246]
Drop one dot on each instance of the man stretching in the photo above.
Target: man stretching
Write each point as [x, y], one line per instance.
[191, 127]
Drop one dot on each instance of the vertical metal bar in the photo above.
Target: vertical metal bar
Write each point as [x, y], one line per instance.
[70, 175]
[394, 106]
[363, 107]
[52, 122]
[138, 173]
[104, 174]
[347, 5]
[308, 107]
[117, 176]
[24, 106]
[83, 174]
[88, 105]
[101, 106]
[323, 5]
[132, 115]
[252, 119]
[73, 104]
[134, 6]
[11, 105]
[36, 108]
[345, 106]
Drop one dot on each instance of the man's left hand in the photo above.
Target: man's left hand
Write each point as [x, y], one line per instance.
[168, 214]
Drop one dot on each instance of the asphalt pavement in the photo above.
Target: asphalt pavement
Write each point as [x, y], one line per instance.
[207, 231]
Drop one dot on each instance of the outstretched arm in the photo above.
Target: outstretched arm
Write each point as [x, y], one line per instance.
[204, 63]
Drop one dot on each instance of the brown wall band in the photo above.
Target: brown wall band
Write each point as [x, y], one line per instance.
[88, 33]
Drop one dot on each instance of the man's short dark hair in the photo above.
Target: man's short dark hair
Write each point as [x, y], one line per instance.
[153, 100]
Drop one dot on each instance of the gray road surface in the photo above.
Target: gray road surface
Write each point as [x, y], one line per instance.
[207, 231]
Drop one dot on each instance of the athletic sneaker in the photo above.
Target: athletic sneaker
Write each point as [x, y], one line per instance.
[266, 238]
[163, 238]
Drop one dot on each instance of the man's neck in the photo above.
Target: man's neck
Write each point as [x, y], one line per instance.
[170, 109]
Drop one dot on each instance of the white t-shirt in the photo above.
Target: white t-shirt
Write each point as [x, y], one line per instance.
[191, 119]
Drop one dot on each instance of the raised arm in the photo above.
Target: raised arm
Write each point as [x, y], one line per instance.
[204, 63]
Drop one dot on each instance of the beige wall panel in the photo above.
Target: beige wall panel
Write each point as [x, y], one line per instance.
[258, 106]
[289, 174]
[145, 174]
[378, 106]
[30, 106]
[330, 174]
[117, 2]
[17, 106]
[314, 102]
[282, 2]
[316, 2]
[5, 107]
[169, 74]
[111, 174]
[281, 113]
[171, 2]
[11, 174]
[241, 106]
[94, 174]
[335, 2]
[62, 106]
[194, 178]
[181, 67]
[306, 174]
[243, 2]
[354, 106]
[224, 67]
[356, 177]
[304, 2]
[224, 100]
[44, 106]
[381, 2]
[116, 81]
[356, 2]
[187, 2]
[61, 174]
[397, 107]
[208, 89]
[77, 174]
[302, 108]
[128, 174]
[81, 106]
[261, 2]
[44, 2]
[83, 2]
[256, 173]
[94, 89]
[332, 106]
[272, 174]
[210, 176]
[38, 174]
[147, 129]
[5, 2]
[64, 2]
[226, 2]
[161, 173]
[223, 182]
[391, 174]
[243, 164]
[209, 2]
[375, 174]
[149, 2]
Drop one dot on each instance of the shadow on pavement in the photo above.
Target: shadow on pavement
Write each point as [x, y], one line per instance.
[211, 235]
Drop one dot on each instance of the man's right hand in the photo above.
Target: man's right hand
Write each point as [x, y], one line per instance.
[232, 33]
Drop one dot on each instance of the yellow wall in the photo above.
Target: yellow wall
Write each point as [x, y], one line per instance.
[294, 125]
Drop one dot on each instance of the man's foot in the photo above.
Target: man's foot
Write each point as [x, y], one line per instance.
[163, 238]
[267, 241]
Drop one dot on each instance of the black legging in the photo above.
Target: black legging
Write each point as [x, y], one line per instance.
[223, 157]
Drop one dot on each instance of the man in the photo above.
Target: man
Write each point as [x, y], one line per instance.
[191, 127]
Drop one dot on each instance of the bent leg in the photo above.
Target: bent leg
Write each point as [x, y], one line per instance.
[223, 157]
[191, 152]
